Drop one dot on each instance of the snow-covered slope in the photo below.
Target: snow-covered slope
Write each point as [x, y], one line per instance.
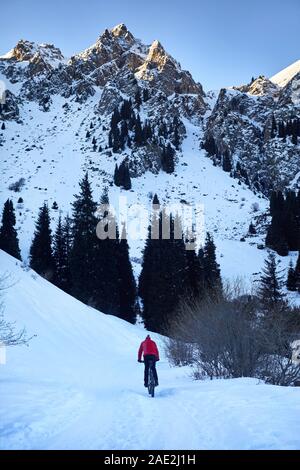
[78, 386]
[52, 103]
[283, 77]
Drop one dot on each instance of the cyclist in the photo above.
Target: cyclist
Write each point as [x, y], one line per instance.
[150, 351]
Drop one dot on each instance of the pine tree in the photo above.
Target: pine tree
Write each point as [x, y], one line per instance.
[163, 280]
[41, 256]
[274, 127]
[252, 229]
[116, 143]
[122, 176]
[155, 200]
[117, 176]
[61, 254]
[104, 196]
[138, 99]
[281, 130]
[110, 139]
[227, 166]
[3, 126]
[176, 140]
[138, 134]
[270, 284]
[67, 236]
[212, 274]
[8, 235]
[127, 281]
[167, 159]
[126, 110]
[126, 183]
[291, 282]
[83, 254]
[195, 270]
[108, 283]
[123, 134]
[145, 94]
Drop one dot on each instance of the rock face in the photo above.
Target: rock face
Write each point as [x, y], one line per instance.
[246, 127]
[115, 55]
[251, 130]
[117, 67]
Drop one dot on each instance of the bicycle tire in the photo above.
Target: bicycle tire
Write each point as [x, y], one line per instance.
[151, 382]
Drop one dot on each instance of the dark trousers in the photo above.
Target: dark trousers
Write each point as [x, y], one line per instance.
[147, 359]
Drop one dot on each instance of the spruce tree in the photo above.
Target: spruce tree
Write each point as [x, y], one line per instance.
[138, 133]
[138, 99]
[126, 181]
[291, 282]
[212, 273]
[252, 229]
[41, 256]
[155, 200]
[145, 94]
[274, 127]
[117, 181]
[167, 159]
[107, 287]
[227, 166]
[84, 247]
[127, 281]
[8, 235]
[163, 280]
[195, 270]
[270, 284]
[61, 254]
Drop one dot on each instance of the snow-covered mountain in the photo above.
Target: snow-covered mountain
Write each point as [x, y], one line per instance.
[283, 77]
[245, 125]
[57, 118]
[78, 385]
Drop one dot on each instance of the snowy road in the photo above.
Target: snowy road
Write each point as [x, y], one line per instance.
[79, 386]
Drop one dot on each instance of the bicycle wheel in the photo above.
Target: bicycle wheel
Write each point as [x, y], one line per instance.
[151, 382]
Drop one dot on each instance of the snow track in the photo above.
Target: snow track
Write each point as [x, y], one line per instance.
[79, 386]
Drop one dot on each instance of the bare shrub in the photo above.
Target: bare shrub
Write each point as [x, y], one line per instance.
[179, 353]
[229, 337]
[277, 365]
[9, 335]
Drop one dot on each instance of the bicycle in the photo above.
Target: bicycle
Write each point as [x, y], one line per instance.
[151, 381]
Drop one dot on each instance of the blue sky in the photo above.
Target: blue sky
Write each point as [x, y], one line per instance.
[221, 42]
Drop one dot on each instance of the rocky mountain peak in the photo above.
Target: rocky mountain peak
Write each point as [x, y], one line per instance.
[259, 86]
[30, 51]
[157, 55]
[121, 31]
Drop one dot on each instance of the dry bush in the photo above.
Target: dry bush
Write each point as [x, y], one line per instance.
[228, 337]
[9, 336]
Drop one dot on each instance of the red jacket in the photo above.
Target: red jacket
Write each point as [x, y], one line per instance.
[148, 347]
